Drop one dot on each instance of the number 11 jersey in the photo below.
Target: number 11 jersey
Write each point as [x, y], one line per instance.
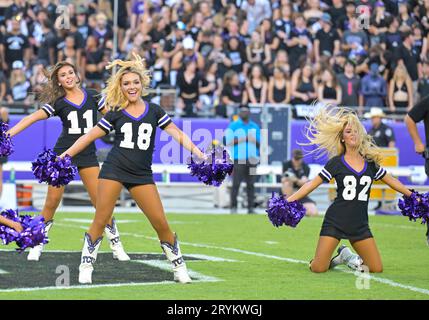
[348, 214]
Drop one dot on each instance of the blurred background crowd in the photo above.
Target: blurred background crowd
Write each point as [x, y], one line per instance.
[206, 55]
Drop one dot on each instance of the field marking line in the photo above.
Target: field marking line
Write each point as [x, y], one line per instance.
[388, 225]
[263, 255]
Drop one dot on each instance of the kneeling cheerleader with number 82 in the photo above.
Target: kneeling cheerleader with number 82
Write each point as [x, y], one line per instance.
[354, 163]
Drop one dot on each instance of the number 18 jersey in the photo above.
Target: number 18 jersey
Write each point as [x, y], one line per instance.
[349, 211]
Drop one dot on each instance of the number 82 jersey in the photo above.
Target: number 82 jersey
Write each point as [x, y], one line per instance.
[349, 211]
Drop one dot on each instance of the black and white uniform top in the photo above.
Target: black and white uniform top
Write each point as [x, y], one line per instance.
[130, 159]
[347, 216]
[77, 120]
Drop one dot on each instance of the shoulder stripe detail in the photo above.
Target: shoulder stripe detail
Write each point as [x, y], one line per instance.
[106, 123]
[104, 126]
[163, 118]
[164, 122]
[380, 173]
[49, 108]
[326, 172]
[323, 174]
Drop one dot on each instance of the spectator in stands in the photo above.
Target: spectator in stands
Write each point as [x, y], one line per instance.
[93, 63]
[282, 61]
[20, 87]
[295, 175]
[47, 50]
[355, 41]
[423, 86]
[404, 17]
[374, 88]
[158, 33]
[233, 93]
[329, 91]
[188, 53]
[189, 84]
[257, 85]
[173, 45]
[102, 31]
[378, 23]
[344, 20]
[350, 86]
[327, 41]
[211, 87]
[139, 7]
[419, 41]
[82, 22]
[69, 53]
[279, 87]
[409, 57]
[284, 25]
[400, 91]
[258, 52]
[299, 45]
[418, 113]
[243, 139]
[15, 47]
[269, 36]
[303, 86]
[312, 15]
[37, 79]
[219, 55]
[337, 12]
[382, 134]
[237, 55]
[256, 11]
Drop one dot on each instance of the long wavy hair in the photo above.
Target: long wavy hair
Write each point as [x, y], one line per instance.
[51, 90]
[115, 99]
[326, 128]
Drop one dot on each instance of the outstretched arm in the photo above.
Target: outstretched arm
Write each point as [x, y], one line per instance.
[84, 141]
[306, 189]
[183, 139]
[396, 185]
[27, 121]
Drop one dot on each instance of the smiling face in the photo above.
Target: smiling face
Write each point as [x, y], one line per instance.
[67, 77]
[351, 136]
[131, 86]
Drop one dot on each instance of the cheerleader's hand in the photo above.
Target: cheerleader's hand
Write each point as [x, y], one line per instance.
[17, 226]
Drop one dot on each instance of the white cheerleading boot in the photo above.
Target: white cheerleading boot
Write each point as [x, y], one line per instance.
[89, 256]
[347, 257]
[175, 257]
[112, 233]
[35, 252]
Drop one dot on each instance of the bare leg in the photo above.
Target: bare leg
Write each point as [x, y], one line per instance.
[89, 178]
[53, 199]
[325, 248]
[107, 193]
[368, 251]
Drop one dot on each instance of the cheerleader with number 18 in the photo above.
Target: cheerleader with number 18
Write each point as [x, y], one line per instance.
[354, 164]
[129, 162]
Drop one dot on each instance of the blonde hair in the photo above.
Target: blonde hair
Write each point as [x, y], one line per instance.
[326, 129]
[115, 99]
[401, 72]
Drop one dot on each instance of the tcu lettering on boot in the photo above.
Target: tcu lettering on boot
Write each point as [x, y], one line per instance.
[177, 262]
[88, 259]
[115, 240]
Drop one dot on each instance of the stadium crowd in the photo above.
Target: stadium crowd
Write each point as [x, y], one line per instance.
[215, 53]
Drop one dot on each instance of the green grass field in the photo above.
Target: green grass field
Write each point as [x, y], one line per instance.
[262, 262]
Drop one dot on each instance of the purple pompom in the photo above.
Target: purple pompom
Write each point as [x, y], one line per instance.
[55, 171]
[6, 145]
[214, 169]
[280, 211]
[415, 206]
[33, 232]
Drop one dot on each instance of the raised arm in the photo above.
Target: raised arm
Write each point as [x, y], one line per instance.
[396, 185]
[183, 139]
[84, 141]
[306, 189]
[27, 121]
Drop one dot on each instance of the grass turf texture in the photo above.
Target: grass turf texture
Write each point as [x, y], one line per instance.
[259, 272]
